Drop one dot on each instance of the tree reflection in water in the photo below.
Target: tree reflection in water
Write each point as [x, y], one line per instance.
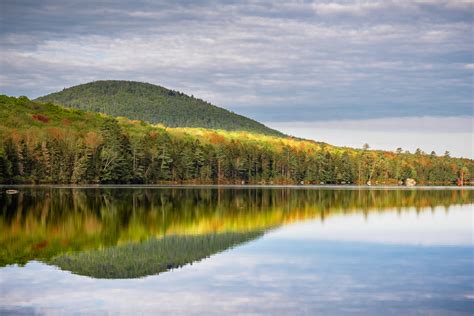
[134, 231]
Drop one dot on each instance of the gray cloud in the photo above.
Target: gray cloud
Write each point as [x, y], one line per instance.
[271, 60]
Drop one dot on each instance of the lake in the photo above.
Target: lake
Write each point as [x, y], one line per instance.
[151, 250]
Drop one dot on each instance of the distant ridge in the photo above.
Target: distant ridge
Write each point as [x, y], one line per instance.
[154, 104]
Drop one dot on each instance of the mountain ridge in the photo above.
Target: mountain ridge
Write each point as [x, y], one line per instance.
[154, 104]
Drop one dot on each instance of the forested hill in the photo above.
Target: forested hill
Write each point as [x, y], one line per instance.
[155, 104]
[46, 143]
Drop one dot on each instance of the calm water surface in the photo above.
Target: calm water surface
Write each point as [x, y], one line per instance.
[208, 250]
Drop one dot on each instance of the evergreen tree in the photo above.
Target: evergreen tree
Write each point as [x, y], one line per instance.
[12, 161]
[116, 158]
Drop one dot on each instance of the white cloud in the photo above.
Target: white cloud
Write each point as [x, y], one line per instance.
[455, 134]
[359, 8]
[424, 124]
[398, 56]
[409, 226]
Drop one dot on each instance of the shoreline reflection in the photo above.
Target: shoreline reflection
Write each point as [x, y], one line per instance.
[79, 227]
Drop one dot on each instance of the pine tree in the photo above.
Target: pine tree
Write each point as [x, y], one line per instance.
[165, 164]
[24, 161]
[13, 160]
[5, 168]
[198, 160]
[116, 162]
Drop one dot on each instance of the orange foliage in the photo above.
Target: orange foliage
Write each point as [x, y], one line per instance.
[215, 138]
[56, 133]
[31, 137]
[153, 135]
[92, 140]
[41, 118]
[15, 136]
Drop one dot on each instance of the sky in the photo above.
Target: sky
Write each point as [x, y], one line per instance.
[353, 262]
[330, 71]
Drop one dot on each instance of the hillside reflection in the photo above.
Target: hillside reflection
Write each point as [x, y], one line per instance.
[56, 224]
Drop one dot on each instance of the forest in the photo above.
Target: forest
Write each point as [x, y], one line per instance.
[46, 143]
[152, 103]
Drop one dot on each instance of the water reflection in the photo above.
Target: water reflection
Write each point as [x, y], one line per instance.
[437, 226]
[149, 257]
[133, 232]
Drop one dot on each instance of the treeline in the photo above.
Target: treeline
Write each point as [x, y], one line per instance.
[113, 157]
[118, 153]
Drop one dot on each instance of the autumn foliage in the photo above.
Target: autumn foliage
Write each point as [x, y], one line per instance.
[41, 118]
[96, 148]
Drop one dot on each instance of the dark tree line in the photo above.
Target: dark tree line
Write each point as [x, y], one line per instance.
[114, 156]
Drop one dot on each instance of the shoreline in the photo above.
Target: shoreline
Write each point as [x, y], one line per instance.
[238, 186]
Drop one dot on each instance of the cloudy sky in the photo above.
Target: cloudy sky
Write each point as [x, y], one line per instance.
[345, 72]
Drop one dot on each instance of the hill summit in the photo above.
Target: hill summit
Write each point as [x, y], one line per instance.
[154, 104]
